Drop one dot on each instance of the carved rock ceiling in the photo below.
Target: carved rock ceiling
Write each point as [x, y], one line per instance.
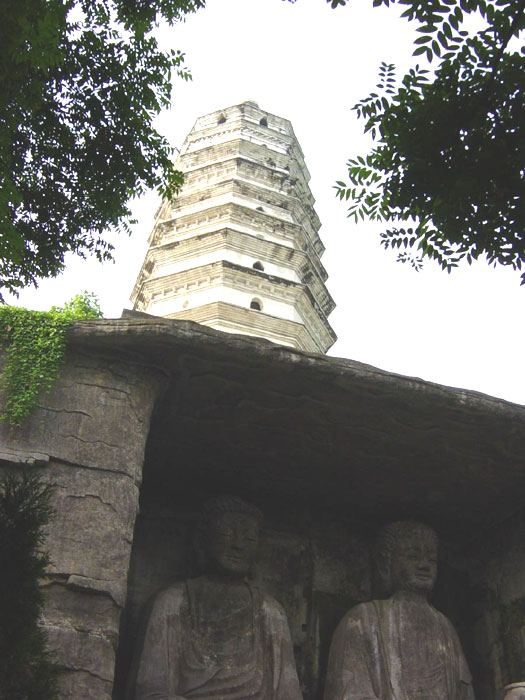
[243, 415]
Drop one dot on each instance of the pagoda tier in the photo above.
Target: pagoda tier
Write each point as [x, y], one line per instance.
[238, 249]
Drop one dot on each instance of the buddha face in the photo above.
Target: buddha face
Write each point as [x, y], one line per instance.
[413, 563]
[232, 544]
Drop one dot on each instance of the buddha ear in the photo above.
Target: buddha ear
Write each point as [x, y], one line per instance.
[200, 548]
[382, 565]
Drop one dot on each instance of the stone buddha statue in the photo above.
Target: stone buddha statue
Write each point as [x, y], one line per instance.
[219, 637]
[400, 648]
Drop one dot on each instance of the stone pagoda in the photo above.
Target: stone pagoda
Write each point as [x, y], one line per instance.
[238, 249]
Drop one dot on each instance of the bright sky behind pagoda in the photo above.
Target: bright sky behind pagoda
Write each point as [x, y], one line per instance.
[310, 64]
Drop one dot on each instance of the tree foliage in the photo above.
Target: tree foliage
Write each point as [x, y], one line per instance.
[82, 81]
[35, 345]
[27, 671]
[447, 172]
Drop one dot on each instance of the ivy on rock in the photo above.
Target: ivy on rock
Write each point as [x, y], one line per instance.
[34, 350]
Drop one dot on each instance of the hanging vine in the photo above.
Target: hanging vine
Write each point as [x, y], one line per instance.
[34, 350]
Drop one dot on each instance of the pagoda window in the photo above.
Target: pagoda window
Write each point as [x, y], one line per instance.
[258, 266]
[264, 122]
[256, 305]
[222, 119]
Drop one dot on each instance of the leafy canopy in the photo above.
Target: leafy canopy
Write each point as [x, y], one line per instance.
[447, 173]
[82, 81]
[34, 346]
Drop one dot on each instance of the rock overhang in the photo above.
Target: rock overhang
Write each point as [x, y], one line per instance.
[243, 414]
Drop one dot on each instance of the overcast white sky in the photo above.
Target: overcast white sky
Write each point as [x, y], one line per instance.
[310, 64]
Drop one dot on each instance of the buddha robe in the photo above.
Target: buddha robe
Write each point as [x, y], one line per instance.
[397, 649]
[192, 651]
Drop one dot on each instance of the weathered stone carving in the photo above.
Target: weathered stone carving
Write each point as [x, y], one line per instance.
[515, 691]
[219, 636]
[400, 648]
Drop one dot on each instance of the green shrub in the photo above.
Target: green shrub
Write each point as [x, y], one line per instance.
[27, 671]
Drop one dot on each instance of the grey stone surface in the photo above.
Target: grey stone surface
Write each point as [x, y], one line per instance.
[81, 684]
[83, 651]
[92, 529]
[87, 438]
[90, 612]
[97, 416]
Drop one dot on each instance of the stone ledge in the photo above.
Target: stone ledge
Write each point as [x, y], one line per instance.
[153, 340]
[12, 455]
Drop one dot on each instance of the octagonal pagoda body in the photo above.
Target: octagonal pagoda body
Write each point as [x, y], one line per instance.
[238, 249]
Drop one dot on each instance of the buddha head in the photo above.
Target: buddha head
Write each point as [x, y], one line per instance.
[407, 557]
[227, 536]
